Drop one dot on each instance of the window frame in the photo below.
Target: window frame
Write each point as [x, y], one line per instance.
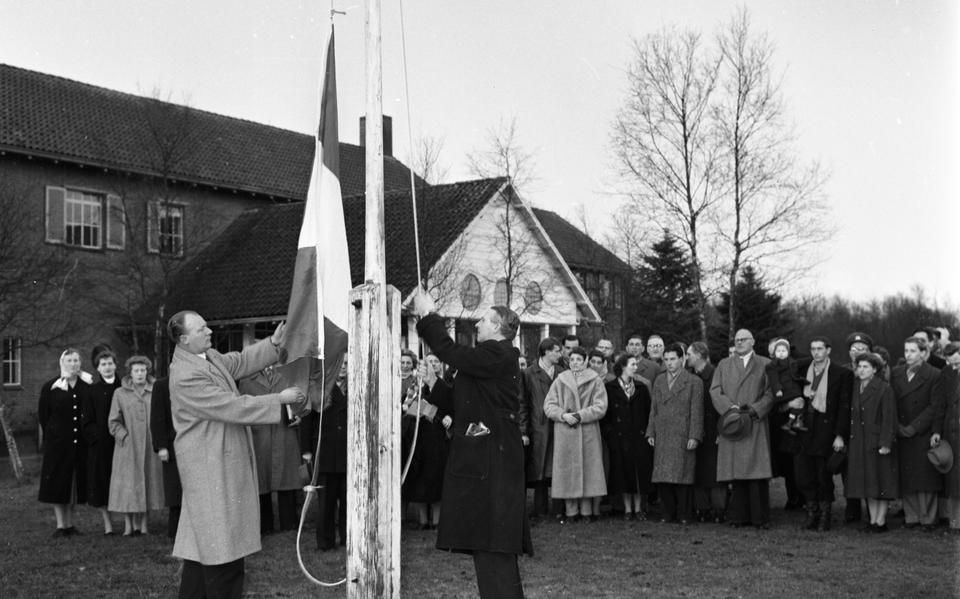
[157, 237]
[84, 201]
[12, 359]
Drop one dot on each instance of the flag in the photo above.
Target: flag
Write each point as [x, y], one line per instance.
[316, 333]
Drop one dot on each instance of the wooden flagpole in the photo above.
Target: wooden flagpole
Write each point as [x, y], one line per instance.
[373, 466]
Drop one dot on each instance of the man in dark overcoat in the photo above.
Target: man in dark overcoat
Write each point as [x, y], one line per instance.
[536, 428]
[330, 462]
[483, 488]
[162, 434]
[913, 384]
[946, 427]
[828, 392]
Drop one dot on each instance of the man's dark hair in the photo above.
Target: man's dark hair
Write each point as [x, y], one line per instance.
[951, 348]
[635, 336]
[571, 338]
[546, 345]
[176, 325]
[509, 321]
[930, 332]
[676, 348]
[822, 339]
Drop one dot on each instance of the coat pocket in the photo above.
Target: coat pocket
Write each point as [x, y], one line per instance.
[470, 457]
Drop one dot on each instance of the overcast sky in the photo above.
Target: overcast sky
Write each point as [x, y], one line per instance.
[871, 85]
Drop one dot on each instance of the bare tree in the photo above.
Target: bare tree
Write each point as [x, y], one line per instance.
[774, 207]
[504, 157]
[425, 160]
[664, 145]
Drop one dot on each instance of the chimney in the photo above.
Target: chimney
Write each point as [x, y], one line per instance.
[387, 134]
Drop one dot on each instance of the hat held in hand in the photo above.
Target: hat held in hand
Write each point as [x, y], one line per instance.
[941, 457]
[735, 424]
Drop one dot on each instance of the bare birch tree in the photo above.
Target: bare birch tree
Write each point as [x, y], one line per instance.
[774, 209]
[664, 146]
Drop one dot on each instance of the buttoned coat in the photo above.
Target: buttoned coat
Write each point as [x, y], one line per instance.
[275, 446]
[873, 424]
[624, 429]
[220, 513]
[734, 385]
[63, 472]
[535, 383]
[825, 427]
[484, 496]
[163, 434]
[947, 425]
[676, 416]
[136, 481]
[577, 450]
[915, 408]
[96, 412]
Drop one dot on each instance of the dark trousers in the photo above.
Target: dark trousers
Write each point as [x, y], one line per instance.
[813, 480]
[332, 500]
[498, 575]
[286, 506]
[750, 502]
[676, 501]
[222, 581]
[541, 498]
[173, 519]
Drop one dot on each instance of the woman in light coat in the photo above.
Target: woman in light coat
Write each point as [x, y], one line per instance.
[136, 480]
[576, 402]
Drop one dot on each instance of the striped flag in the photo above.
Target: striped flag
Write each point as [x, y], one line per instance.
[316, 332]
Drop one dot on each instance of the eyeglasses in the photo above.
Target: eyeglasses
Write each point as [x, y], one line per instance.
[743, 339]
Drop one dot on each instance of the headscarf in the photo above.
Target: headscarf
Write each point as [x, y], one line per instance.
[63, 382]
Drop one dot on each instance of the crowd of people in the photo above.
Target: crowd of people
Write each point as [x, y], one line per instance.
[659, 424]
[654, 430]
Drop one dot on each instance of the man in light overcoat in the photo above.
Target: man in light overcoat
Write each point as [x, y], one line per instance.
[220, 513]
[740, 381]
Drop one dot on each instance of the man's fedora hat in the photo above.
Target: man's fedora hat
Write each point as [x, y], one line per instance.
[735, 424]
[941, 457]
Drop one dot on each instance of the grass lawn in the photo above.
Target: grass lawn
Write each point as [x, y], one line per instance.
[606, 559]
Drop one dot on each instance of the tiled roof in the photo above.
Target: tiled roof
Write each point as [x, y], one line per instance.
[48, 116]
[578, 250]
[248, 270]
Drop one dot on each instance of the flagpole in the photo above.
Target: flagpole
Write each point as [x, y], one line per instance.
[373, 477]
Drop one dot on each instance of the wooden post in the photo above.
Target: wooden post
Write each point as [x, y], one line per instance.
[12, 450]
[373, 456]
[373, 421]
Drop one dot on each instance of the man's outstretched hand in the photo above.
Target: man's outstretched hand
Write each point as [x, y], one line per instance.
[423, 304]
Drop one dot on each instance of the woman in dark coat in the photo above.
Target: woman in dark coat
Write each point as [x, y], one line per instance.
[872, 471]
[96, 411]
[624, 429]
[920, 482]
[424, 483]
[59, 412]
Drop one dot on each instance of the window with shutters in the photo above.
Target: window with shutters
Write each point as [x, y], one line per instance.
[166, 229]
[12, 361]
[85, 219]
